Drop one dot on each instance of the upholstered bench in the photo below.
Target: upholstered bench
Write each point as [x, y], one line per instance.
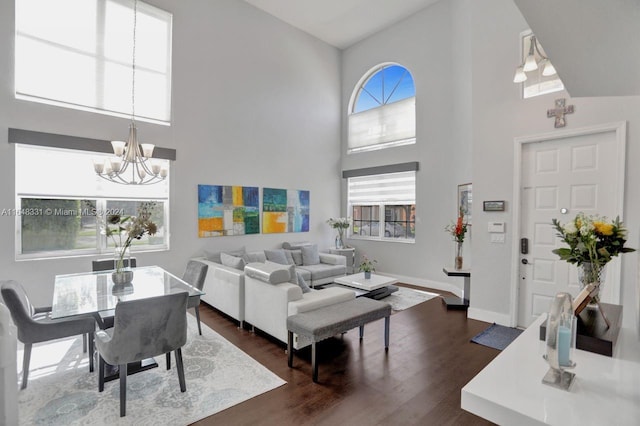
[325, 322]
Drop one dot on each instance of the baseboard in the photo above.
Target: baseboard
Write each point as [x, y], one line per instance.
[489, 316]
[436, 285]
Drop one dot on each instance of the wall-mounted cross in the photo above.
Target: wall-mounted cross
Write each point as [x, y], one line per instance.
[559, 111]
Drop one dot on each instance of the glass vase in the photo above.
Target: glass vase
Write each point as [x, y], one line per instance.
[458, 260]
[340, 239]
[592, 273]
[121, 259]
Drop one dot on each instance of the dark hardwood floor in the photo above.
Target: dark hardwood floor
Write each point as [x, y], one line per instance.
[417, 382]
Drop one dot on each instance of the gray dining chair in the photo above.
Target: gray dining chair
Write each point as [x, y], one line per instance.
[35, 325]
[194, 275]
[143, 329]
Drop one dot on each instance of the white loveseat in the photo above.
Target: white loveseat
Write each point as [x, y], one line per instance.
[270, 299]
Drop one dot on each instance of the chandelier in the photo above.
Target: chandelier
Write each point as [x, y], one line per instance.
[132, 164]
[531, 64]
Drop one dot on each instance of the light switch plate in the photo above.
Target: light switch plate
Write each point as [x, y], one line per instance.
[496, 227]
[497, 238]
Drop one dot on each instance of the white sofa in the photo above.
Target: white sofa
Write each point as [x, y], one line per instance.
[270, 299]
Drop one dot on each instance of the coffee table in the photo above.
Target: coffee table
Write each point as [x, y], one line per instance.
[376, 287]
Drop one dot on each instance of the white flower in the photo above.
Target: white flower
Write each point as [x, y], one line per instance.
[570, 228]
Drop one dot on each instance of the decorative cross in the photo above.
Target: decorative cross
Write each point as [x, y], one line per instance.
[559, 111]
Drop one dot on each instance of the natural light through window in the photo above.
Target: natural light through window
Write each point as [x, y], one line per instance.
[382, 112]
[78, 54]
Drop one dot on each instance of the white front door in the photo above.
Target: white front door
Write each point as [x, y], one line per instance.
[575, 171]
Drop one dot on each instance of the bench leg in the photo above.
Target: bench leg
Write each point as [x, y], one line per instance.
[387, 320]
[361, 331]
[290, 349]
[314, 362]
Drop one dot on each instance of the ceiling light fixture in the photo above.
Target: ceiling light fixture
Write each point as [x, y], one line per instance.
[132, 165]
[531, 64]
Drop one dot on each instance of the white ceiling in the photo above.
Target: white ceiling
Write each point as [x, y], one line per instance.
[341, 23]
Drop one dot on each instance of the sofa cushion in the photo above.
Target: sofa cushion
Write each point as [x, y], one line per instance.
[310, 255]
[323, 270]
[295, 246]
[276, 256]
[254, 256]
[215, 256]
[269, 272]
[296, 256]
[232, 261]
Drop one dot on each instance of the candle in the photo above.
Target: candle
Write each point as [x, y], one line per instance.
[564, 345]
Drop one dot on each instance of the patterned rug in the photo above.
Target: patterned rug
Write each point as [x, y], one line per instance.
[405, 298]
[61, 391]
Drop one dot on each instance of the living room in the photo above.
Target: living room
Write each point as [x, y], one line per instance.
[256, 101]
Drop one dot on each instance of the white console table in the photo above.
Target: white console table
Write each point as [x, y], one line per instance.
[606, 391]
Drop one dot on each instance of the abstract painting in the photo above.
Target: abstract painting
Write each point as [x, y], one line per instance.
[285, 210]
[228, 210]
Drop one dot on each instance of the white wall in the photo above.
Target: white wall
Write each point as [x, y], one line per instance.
[255, 102]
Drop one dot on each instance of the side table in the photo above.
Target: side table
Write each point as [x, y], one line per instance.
[454, 302]
[350, 254]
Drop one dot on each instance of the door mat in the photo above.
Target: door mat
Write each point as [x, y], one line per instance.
[497, 336]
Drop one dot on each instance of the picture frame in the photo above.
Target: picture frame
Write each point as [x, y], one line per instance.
[493, 206]
[465, 200]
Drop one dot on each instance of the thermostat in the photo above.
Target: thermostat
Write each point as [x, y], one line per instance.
[496, 227]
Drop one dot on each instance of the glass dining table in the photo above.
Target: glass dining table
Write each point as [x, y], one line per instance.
[96, 294]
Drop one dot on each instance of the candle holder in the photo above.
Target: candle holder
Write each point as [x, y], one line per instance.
[560, 343]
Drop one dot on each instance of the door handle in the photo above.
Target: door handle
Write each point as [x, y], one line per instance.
[524, 261]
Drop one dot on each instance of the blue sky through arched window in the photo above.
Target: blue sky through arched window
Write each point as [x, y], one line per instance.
[390, 83]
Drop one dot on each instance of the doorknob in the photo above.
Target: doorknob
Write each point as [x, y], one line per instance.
[524, 261]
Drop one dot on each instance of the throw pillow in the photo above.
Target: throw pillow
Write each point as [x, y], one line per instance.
[215, 256]
[276, 256]
[254, 256]
[296, 256]
[296, 245]
[310, 255]
[232, 261]
[289, 256]
[302, 283]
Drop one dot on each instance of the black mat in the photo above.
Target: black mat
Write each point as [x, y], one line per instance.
[497, 336]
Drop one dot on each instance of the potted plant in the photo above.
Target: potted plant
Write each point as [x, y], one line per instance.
[458, 230]
[341, 224]
[367, 266]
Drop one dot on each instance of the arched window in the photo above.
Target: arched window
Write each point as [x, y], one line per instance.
[382, 111]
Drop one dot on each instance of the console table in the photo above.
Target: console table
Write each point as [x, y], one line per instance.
[454, 302]
[509, 391]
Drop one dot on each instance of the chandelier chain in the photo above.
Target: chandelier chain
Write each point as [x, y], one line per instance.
[133, 61]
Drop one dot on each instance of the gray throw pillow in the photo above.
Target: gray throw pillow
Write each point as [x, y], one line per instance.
[310, 255]
[232, 261]
[302, 283]
[290, 260]
[216, 256]
[276, 256]
[296, 256]
[254, 256]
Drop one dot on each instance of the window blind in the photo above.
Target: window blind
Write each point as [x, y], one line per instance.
[78, 54]
[390, 124]
[389, 188]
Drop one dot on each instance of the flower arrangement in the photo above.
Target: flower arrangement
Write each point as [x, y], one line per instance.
[458, 229]
[367, 265]
[340, 223]
[128, 228]
[591, 239]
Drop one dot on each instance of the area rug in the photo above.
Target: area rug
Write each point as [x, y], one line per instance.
[61, 391]
[497, 336]
[405, 298]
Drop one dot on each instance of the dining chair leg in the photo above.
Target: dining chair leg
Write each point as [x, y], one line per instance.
[84, 343]
[91, 351]
[168, 354]
[198, 319]
[100, 373]
[25, 364]
[123, 389]
[183, 385]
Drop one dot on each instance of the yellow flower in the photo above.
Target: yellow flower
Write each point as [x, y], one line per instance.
[603, 228]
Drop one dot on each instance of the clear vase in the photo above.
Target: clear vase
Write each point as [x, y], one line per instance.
[121, 259]
[340, 239]
[592, 273]
[459, 260]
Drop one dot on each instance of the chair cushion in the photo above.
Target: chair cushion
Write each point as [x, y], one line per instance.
[232, 261]
[310, 255]
[276, 256]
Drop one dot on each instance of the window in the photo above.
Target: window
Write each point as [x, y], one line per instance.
[78, 54]
[383, 110]
[383, 206]
[60, 215]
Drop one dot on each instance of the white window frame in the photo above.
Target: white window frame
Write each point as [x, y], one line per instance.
[103, 82]
[386, 126]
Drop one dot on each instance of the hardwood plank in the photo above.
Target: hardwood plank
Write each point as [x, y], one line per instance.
[418, 381]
